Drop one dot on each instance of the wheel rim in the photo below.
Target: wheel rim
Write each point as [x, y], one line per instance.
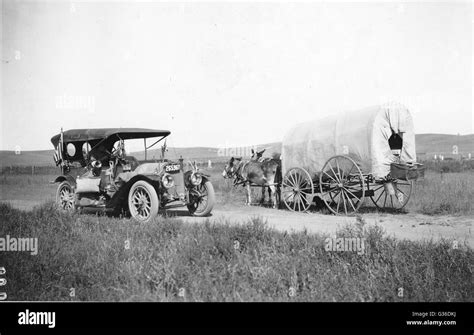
[297, 190]
[199, 198]
[141, 203]
[383, 198]
[341, 185]
[66, 198]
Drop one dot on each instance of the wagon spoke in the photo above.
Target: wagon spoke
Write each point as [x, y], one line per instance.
[330, 176]
[305, 201]
[353, 189]
[352, 166]
[380, 195]
[339, 170]
[399, 190]
[335, 194]
[335, 176]
[292, 179]
[344, 200]
[352, 193]
[339, 202]
[378, 188]
[289, 195]
[298, 179]
[329, 191]
[385, 200]
[350, 202]
[294, 203]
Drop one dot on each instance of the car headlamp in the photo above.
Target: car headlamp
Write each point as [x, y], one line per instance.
[167, 180]
[195, 179]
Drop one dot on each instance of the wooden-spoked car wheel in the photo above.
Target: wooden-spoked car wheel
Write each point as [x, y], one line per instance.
[65, 196]
[393, 194]
[341, 185]
[297, 190]
[201, 199]
[143, 201]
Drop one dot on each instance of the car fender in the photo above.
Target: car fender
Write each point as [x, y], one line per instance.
[62, 178]
[120, 197]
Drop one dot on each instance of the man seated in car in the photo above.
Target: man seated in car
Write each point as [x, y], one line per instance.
[96, 159]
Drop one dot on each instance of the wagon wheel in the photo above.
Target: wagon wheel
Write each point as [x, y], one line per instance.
[297, 190]
[392, 194]
[341, 185]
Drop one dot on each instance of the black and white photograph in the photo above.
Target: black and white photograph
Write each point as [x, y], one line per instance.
[159, 154]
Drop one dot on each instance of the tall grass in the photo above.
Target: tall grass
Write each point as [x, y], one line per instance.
[444, 193]
[169, 260]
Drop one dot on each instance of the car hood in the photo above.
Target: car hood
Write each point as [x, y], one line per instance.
[151, 168]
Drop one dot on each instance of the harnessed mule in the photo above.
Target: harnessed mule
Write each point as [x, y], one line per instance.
[263, 172]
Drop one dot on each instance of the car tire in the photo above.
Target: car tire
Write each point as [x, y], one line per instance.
[199, 208]
[65, 198]
[143, 202]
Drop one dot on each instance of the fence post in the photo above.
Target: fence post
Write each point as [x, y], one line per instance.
[32, 170]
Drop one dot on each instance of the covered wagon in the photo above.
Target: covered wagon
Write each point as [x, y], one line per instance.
[345, 158]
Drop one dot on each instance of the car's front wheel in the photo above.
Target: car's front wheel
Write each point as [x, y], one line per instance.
[143, 201]
[201, 199]
[65, 196]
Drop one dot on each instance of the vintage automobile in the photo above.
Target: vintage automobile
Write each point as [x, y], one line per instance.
[97, 174]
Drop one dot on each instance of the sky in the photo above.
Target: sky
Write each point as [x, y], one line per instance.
[228, 74]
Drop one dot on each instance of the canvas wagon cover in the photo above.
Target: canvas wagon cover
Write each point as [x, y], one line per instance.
[362, 135]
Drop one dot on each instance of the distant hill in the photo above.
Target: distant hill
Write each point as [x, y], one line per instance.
[38, 158]
[427, 145]
[431, 144]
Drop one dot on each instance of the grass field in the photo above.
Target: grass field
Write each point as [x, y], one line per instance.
[444, 193]
[168, 260]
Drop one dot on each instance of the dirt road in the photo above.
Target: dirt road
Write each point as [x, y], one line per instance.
[409, 226]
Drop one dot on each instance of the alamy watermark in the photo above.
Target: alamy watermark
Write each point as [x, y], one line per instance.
[75, 102]
[229, 151]
[346, 244]
[19, 244]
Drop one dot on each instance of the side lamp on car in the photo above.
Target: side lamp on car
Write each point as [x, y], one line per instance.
[167, 180]
[196, 178]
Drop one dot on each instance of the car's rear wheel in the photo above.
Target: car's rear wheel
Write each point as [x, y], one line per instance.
[143, 201]
[65, 196]
[201, 199]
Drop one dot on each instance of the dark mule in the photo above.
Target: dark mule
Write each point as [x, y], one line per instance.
[264, 172]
